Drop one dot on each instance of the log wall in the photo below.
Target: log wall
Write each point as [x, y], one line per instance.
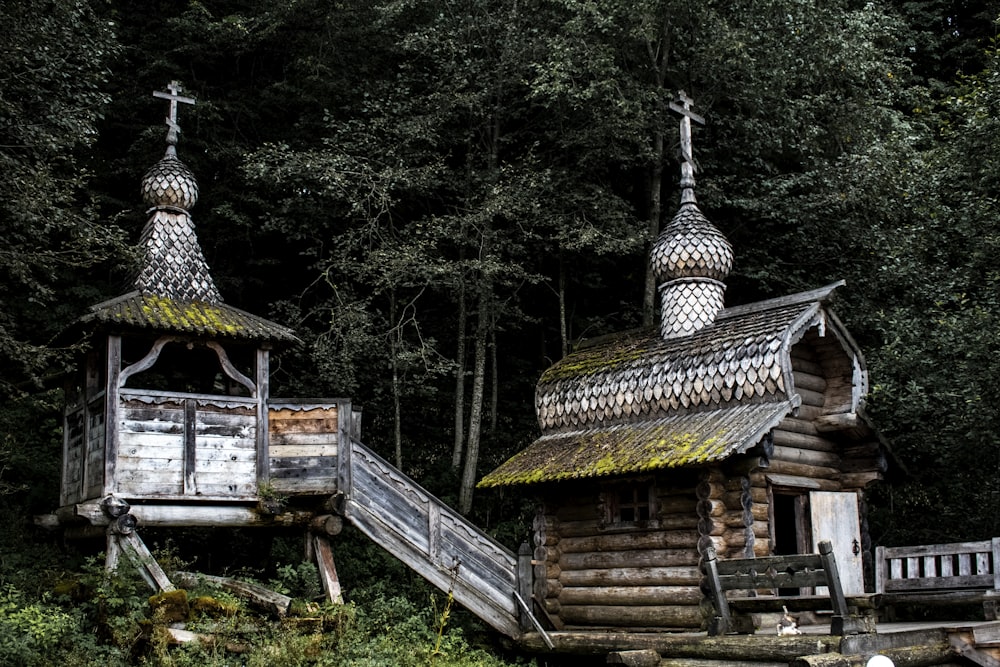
[590, 572]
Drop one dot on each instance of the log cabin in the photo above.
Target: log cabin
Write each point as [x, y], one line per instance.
[741, 429]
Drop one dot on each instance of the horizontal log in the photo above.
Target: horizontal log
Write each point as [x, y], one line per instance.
[545, 523]
[806, 363]
[806, 456]
[877, 463]
[797, 425]
[813, 398]
[327, 524]
[643, 558]
[673, 539]
[583, 509]
[640, 658]
[194, 516]
[712, 507]
[630, 595]
[810, 381]
[803, 470]
[798, 482]
[686, 650]
[544, 570]
[837, 422]
[546, 554]
[859, 480]
[634, 576]
[664, 616]
[709, 489]
[790, 439]
[758, 494]
[860, 450]
[713, 527]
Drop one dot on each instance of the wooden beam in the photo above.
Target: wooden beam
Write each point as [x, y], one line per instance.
[327, 569]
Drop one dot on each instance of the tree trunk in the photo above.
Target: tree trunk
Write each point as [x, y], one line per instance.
[468, 482]
[395, 338]
[563, 326]
[659, 58]
[460, 325]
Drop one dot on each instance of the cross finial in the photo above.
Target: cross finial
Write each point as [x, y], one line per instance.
[174, 88]
[682, 105]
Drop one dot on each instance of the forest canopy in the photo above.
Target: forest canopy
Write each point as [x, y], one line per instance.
[443, 197]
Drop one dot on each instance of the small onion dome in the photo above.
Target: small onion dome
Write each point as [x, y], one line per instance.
[691, 247]
[170, 183]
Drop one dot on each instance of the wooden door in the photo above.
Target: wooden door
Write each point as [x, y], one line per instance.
[834, 516]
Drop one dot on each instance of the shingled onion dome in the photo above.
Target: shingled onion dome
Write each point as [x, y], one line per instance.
[174, 265]
[690, 259]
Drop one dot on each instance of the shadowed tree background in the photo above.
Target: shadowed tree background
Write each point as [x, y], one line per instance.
[445, 196]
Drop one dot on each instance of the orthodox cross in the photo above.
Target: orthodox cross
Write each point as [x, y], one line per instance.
[682, 105]
[175, 88]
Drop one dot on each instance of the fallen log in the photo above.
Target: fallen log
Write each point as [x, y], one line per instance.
[258, 596]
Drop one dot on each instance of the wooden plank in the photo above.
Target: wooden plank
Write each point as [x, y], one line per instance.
[292, 450]
[297, 439]
[112, 374]
[327, 569]
[499, 613]
[281, 415]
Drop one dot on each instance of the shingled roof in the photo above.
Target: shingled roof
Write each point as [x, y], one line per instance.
[641, 402]
[173, 289]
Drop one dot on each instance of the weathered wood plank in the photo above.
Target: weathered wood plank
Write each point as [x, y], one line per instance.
[294, 449]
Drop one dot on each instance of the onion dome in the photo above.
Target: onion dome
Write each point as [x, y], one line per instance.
[691, 247]
[691, 257]
[169, 182]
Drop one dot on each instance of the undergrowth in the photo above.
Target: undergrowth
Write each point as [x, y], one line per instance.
[85, 618]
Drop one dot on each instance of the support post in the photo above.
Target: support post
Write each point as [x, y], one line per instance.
[327, 569]
[525, 580]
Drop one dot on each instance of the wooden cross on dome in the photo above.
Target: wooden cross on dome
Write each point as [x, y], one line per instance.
[174, 88]
[682, 105]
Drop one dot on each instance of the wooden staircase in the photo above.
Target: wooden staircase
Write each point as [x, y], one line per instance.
[434, 540]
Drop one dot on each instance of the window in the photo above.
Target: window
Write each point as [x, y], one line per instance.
[629, 503]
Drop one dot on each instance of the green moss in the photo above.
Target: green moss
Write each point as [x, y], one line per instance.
[186, 315]
[624, 350]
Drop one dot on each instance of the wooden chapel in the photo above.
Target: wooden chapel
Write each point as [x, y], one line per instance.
[741, 429]
[168, 420]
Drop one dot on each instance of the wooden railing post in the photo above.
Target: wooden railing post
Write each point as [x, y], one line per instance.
[525, 580]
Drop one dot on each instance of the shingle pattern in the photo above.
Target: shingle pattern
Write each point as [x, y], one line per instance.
[691, 247]
[174, 265]
[737, 359]
[689, 304]
[149, 311]
[676, 440]
[169, 182]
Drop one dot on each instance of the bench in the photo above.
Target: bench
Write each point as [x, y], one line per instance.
[777, 572]
[939, 574]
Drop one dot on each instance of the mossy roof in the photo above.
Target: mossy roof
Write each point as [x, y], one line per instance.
[676, 441]
[164, 314]
[638, 402]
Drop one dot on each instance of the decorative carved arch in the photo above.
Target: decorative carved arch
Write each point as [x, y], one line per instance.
[149, 360]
